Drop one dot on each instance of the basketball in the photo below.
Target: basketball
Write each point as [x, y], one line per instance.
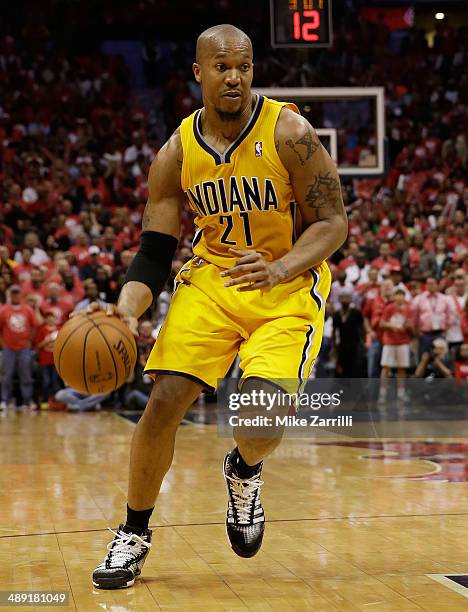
[95, 353]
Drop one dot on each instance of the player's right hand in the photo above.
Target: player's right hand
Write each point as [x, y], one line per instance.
[111, 310]
[252, 268]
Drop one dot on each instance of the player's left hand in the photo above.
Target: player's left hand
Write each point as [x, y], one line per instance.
[251, 267]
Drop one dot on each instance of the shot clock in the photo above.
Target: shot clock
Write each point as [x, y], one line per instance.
[301, 23]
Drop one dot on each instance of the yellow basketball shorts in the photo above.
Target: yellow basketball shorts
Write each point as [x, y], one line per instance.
[277, 334]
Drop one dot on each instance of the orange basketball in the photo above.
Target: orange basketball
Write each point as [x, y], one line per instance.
[95, 353]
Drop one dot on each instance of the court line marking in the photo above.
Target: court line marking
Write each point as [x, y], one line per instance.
[66, 571]
[450, 584]
[294, 520]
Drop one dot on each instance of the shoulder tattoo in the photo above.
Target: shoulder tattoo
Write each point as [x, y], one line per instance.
[309, 140]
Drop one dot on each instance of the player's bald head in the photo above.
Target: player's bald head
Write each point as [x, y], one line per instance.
[218, 37]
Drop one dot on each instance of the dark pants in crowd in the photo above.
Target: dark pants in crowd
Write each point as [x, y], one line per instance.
[20, 362]
[350, 362]
[50, 381]
[426, 340]
[322, 371]
[374, 355]
[453, 349]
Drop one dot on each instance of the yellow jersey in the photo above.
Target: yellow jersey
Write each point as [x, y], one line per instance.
[243, 197]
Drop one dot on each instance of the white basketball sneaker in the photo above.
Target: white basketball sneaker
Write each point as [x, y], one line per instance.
[123, 563]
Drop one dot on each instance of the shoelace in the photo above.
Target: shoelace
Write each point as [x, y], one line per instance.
[120, 546]
[243, 494]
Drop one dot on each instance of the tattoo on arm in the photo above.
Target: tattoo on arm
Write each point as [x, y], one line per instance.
[147, 216]
[324, 194]
[283, 271]
[179, 163]
[277, 145]
[310, 141]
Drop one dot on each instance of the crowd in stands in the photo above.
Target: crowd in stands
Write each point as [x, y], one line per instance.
[75, 150]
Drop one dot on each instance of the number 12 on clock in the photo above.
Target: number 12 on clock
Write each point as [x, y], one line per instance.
[301, 23]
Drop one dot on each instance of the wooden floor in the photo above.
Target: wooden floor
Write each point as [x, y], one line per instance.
[345, 532]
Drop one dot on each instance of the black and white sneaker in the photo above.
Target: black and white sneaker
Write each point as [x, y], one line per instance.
[245, 520]
[123, 562]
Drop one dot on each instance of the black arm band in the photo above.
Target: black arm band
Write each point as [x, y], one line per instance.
[152, 263]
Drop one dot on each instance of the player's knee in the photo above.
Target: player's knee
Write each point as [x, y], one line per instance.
[168, 404]
[161, 412]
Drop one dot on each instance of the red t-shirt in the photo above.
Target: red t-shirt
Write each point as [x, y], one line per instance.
[346, 262]
[390, 262]
[80, 253]
[402, 316]
[16, 325]
[22, 271]
[461, 370]
[376, 308]
[62, 308]
[105, 259]
[464, 326]
[27, 288]
[368, 291]
[46, 353]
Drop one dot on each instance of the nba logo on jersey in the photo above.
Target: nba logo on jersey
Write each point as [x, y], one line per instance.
[258, 149]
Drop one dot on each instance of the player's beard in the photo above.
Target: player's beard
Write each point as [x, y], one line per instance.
[229, 115]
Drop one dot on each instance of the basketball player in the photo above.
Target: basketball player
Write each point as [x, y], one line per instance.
[250, 289]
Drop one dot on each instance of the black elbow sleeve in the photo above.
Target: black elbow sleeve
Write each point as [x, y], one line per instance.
[152, 263]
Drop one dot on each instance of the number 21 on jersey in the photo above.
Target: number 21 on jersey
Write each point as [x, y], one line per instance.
[229, 222]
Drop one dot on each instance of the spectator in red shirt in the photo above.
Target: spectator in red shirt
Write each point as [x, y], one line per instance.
[34, 302]
[17, 329]
[35, 284]
[80, 248]
[23, 270]
[397, 325]
[45, 338]
[351, 250]
[461, 362]
[62, 305]
[72, 285]
[385, 259]
[464, 322]
[373, 313]
[368, 290]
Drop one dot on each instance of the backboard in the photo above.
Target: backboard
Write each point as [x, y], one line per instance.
[350, 122]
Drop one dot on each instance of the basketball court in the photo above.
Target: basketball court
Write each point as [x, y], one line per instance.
[352, 524]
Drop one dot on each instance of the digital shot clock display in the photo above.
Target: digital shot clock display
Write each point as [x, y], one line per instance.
[301, 23]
